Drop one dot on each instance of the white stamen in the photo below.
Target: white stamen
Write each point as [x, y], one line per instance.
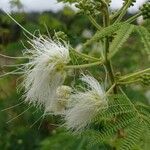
[45, 71]
[85, 105]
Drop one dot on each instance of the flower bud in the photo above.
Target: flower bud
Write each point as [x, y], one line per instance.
[146, 10]
[60, 35]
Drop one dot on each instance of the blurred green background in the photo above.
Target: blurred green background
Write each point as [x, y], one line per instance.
[24, 133]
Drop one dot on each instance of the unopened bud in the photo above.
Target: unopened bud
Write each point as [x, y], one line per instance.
[146, 10]
[60, 35]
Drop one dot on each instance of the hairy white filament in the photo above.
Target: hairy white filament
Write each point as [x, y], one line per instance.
[44, 72]
[86, 105]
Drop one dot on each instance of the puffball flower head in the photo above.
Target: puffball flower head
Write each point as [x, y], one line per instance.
[86, 105]
[44, 72]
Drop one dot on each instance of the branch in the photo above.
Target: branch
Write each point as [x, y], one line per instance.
[133, 18]
[82, 55]
[123, 12]
[93, 21]
[126, 77]
[84, 65]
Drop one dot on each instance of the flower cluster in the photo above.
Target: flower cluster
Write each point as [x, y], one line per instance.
[91, 7]
[43, 83]
[87, 6]
[85, 105]
[44, 72]
[146, 10]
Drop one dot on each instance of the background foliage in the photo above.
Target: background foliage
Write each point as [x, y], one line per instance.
[21, 133]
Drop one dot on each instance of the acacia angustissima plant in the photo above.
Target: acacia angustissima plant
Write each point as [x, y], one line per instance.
[100, 112]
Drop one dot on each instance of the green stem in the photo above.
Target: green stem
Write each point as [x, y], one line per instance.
[93, 21]
[126, 77]
[129, 101]
[133, 18]
[106, 23]
[108, 62]
[123, 12]
[24, 29]
[82, 55]
[128, 82]
[110, 89]
[84, 65]
[10, 57]
[117, 13]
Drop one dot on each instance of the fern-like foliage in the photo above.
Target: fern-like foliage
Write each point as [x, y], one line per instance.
[132, 136]
[105, 32]
[122, 35]
[144, 111]
[121, 125]
[117, 105]
[145, 37]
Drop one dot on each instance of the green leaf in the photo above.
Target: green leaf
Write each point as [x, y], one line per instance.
[108, 31]
[132, 137]
[121, 37]
[121, 114]
[117, 105]
[110, 128]
[145, 37]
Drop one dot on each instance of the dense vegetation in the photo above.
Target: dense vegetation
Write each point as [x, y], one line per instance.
[26, 131]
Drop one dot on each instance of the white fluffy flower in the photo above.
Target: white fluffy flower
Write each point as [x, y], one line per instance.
[45, 70]
[85, 105]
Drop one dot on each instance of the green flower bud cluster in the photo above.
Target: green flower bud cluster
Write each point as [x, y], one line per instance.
[131, 2]
[92, 7]
[145, 79]
[60, 35]
[88, 7]
[146, 10]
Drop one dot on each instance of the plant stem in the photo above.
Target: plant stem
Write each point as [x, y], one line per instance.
[10, 57]
[110, 89]
[106, 23]
[126, 77]
[82, 55]
[11, 73]
[108, 62]
[123, 12]
[129, 101]
[133, 18]
[24, 29]
[117, 13]
[129, 82]
[93, 21]
[84, 65]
